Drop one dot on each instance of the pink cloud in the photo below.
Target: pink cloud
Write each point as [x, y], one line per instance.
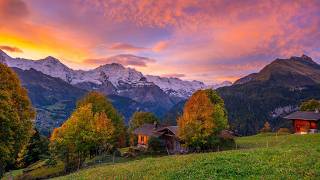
[160, 46]
[124, 59]
[124, 46]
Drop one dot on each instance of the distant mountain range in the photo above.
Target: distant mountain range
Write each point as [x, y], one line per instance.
[54, 88]
[276, 90]
[273, 92]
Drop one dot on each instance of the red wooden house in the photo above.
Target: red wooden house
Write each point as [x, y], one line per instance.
[304, 122]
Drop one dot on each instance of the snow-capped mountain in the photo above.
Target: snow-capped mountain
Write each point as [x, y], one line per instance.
[176, 86]
[114, 73]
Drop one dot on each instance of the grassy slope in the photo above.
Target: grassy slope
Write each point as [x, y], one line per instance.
[288, 156]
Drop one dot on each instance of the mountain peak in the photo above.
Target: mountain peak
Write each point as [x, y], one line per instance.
[51, 59]
[302, 58]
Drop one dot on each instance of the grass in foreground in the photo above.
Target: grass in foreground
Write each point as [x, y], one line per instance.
[264, 157]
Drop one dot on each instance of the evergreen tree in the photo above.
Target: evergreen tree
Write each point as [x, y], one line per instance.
[204, 116]
[16, 115]
[37, 149]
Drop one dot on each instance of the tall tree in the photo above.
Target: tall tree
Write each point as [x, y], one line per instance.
[100, 103]
[16, 115]
[81, 133]
[204, 116]
[310, 105]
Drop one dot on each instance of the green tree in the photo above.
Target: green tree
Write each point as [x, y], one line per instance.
[81, 133]
[100, 104]
[203, 118]
[16, 115]
[310, 105]
[139, 118]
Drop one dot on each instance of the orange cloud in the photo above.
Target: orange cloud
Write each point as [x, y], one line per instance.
[11, 49]
[160, 46]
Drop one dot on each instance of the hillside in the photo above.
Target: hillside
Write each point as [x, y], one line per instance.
[278, 89]
[261, 156]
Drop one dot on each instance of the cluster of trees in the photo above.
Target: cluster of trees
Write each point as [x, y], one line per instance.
[94, 127]
[204, 117]
[310, 105]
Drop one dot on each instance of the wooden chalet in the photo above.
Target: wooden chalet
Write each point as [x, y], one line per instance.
[305, 122]
[167, 134]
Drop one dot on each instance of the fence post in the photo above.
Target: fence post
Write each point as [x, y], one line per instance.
[113, 157]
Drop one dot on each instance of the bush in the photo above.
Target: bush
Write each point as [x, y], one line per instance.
[155, 144]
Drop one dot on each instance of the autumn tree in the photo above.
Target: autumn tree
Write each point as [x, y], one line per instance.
[310, 105]
[204, 116]
[266, 127]
[16, 115]
[100, 104]
[80, 134]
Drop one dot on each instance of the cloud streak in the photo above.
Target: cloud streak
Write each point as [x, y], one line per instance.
[126, 47]
[174, 75]
[11, 49]
[124, 59]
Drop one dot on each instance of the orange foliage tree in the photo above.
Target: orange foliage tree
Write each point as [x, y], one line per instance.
[204, 116]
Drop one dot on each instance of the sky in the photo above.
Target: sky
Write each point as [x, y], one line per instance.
[207, 40]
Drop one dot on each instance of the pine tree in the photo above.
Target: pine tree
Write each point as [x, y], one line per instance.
[16, 115]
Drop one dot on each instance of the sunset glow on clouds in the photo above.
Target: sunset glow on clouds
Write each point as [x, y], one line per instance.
[212, 40]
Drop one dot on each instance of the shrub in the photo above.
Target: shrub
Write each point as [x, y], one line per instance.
[155, 144]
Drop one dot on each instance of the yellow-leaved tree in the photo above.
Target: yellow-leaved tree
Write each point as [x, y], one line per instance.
[83, 132]
[203, 118]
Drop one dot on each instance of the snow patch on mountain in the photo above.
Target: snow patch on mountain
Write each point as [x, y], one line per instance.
[176, 86]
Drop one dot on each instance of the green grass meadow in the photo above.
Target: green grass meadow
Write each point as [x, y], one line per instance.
[264, 156]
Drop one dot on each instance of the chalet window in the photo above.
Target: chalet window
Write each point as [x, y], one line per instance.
[142, 139]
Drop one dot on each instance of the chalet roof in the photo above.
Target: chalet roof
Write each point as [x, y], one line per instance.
[304, 115]
[148, 130]
[173, 129]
